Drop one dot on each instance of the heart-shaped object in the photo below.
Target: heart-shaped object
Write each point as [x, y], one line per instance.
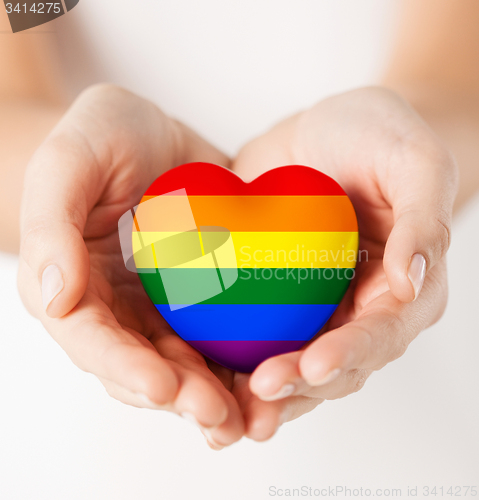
[245, 271]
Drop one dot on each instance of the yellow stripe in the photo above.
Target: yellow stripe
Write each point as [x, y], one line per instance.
[252, 249]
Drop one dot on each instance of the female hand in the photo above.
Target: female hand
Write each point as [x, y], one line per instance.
[402, 182]
[94, 167]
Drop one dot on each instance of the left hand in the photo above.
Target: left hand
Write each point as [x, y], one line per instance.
[402, 182]
[93, 167]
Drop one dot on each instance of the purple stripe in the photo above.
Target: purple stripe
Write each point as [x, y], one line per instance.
[244, 355]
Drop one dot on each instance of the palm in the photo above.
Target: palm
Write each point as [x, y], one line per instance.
[122, 293]
[349, 142]
[116, 299]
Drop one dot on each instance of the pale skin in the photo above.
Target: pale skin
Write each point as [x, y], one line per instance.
[394, 160]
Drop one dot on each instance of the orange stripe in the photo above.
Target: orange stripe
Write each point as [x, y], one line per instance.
[273, 213]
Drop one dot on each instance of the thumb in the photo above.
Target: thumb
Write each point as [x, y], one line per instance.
[422, 201]
[108, 133]
[56, 253]
[55, 205]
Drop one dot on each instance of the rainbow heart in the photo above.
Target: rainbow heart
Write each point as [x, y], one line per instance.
[245, 271]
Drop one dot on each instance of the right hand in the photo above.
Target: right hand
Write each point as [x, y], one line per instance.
[402, 182]
[94, 166]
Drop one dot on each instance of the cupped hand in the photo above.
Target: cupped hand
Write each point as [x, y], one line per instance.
[95, 166]
[402, 182]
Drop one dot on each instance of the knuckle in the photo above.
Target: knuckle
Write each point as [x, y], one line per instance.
[103, 106]
[114, 113]
[99, 90]
[356, 380]
[359, 379]
[353, 382]
[398, 348]
[418, 145]
[160, 394]
[443, 232]
[377, 93]
[42, 233]
[445, 168]
[33, 239]
[78, 360]
[376, 102]
[399, 341]
[441, 308]
[437, 286]
[440, 156]
[395, 340]
[110, 390]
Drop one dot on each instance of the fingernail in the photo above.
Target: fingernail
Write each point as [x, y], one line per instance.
[214, 446]
[147, 401]
[206, 431]
[329, 377]
[52, 284]
[211, 442]
[191, 418]
[284, 392]
[417, 273]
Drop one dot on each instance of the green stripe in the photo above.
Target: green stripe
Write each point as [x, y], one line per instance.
[253, 286]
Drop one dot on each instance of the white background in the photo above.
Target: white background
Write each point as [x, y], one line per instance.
[230, 70]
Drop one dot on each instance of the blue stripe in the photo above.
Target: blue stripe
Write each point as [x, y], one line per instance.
[248, 321]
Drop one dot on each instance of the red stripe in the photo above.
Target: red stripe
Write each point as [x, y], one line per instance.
[211, 180]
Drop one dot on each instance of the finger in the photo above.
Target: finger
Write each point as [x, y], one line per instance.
[197, 401]
[127, 397]
[62, 184]
[139, 401]
[339, 361]
[202, 396]
[218, 436]
[263, 419]
[231, 430]
[198, 397]
[422, 184]
[346, 383]
[96, 343]
[278, 378]
[379, 335]
[52, 245]
[64, 181]
[208, 405]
